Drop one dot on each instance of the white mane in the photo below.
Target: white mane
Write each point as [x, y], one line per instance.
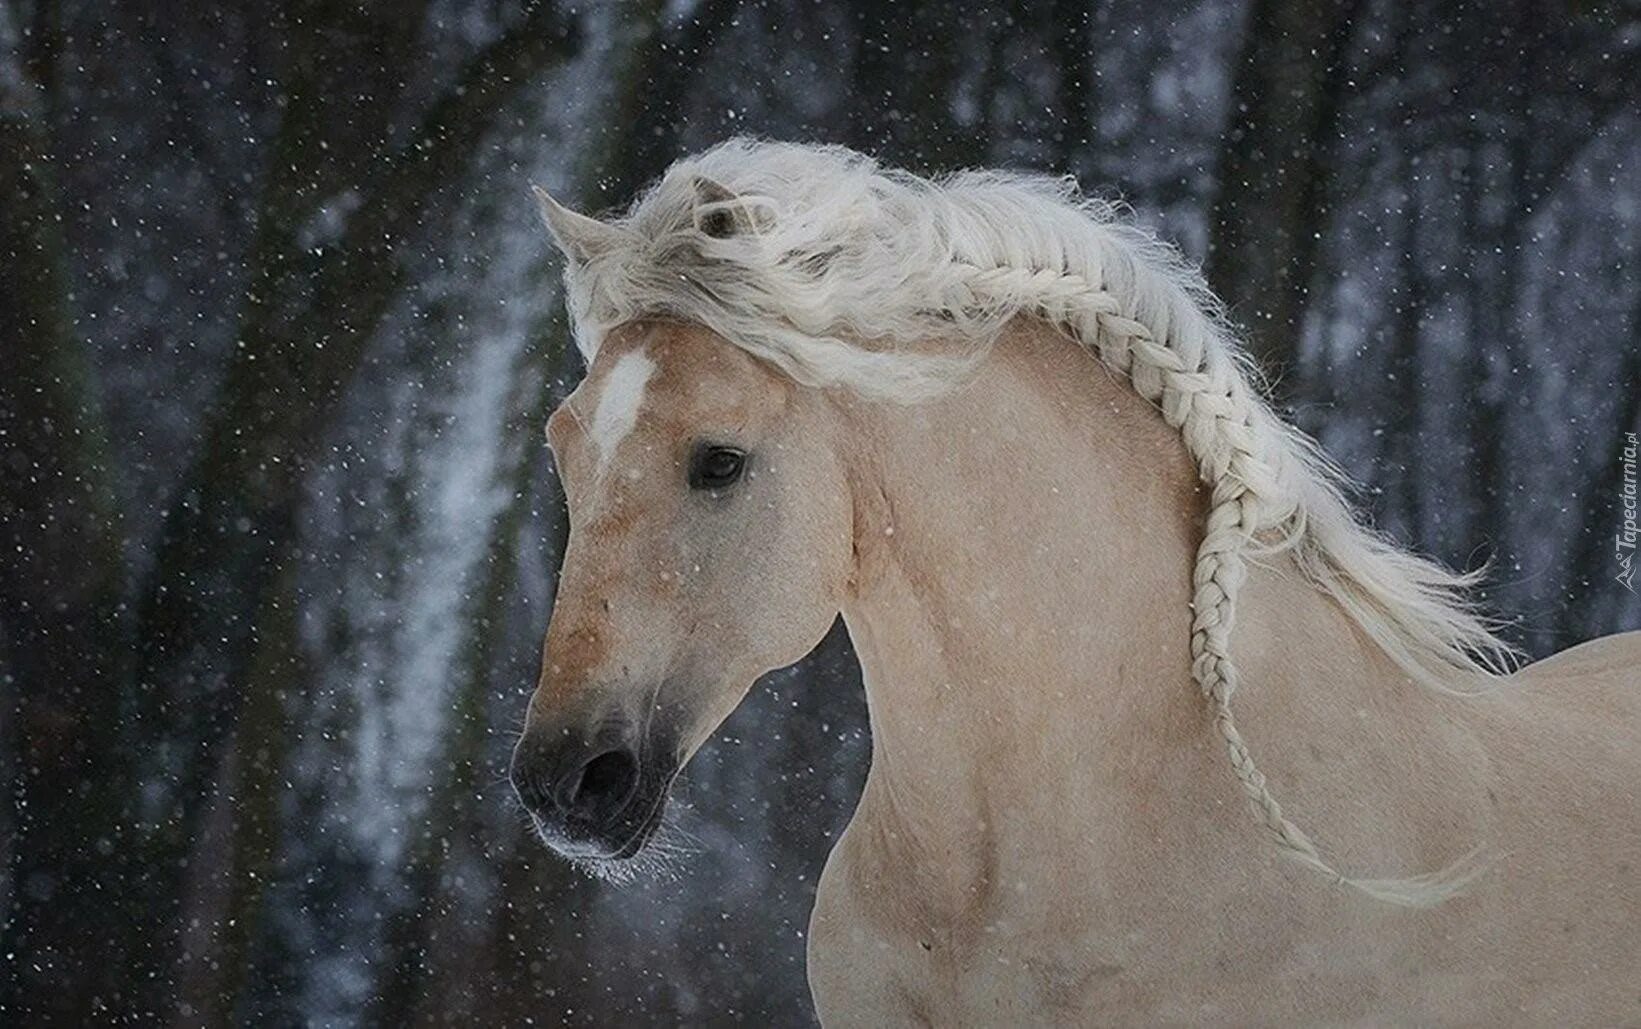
[821, 262]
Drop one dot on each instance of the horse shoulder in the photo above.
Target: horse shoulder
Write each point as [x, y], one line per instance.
[855, 961]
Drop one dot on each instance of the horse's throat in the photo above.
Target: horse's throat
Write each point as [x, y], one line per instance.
[1007, 687]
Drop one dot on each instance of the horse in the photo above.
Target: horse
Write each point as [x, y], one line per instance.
[1011, 438]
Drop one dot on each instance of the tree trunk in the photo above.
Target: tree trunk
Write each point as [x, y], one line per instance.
[905, 73]
[1270, 208]
[652, 84]
[262, 740]
[61, 650]
[309, 312]
[642, 140]
[1071, 41]
[1406, 364]
[1497, 341]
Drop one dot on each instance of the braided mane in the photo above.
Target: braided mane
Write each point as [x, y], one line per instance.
[821, 262]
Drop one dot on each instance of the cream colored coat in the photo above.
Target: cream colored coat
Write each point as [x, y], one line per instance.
[1049, 834]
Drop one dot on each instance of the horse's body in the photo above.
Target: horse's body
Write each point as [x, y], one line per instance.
[1039, 556]
[1049, 832]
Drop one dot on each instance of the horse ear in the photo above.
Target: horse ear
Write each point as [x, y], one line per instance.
[580, 237]
[720, 212]
[708, 191]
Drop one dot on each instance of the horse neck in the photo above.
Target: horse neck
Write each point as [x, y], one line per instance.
[1021, 611]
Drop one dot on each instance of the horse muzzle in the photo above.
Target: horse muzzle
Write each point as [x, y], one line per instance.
[597, 795]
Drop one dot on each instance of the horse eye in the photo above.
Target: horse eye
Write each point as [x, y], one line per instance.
[715, 467]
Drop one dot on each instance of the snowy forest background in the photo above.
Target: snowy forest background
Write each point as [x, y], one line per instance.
[280, 329]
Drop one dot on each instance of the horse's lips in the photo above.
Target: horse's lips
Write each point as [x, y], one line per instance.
[586, 850]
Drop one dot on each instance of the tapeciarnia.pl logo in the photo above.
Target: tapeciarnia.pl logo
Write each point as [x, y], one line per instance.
[1624, 542]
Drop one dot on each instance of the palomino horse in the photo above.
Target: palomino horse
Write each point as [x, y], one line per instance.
[1011, 440]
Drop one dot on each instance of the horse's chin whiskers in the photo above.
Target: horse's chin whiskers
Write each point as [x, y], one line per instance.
[663, 858]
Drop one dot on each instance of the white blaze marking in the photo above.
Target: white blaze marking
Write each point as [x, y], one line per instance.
[618, 402]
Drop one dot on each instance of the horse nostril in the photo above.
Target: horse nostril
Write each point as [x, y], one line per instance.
[527, 784]
[599, 789]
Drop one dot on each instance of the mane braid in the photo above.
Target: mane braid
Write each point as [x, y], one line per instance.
[837, 261]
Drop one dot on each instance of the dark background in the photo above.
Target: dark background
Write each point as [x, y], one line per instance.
[280, 331]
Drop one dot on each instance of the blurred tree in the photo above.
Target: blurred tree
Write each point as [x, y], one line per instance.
[1499, 233]
[1272, 194]
[906, 75]
[1405, 365]
[250, 790]
[407, 968]
[350, 182]
[1536, 93]
[62, 572]
[1412, 299]
[651, 73]
[1076, 95]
